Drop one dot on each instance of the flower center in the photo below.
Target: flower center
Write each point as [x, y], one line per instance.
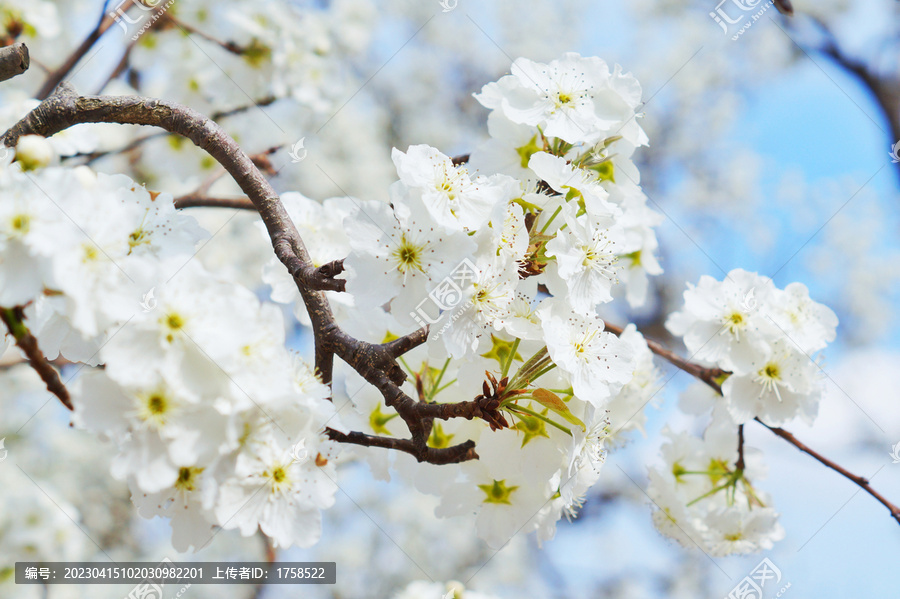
[734, 322]
[409, 256]
[90, 252]
[187, 478]
[279, 475]
[173, 323]
[769, 378]
[498, 492]
[21, 223]
[154, 409]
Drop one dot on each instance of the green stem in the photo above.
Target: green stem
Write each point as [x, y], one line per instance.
[552, 216]
[731, 481]
[444, 387]
[526, 373]
[437, 381]
[523, 410]
[16, 326]
[509, 361]
[543, 372]
[405, 365]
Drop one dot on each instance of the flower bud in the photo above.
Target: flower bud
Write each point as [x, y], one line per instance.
[33, 152]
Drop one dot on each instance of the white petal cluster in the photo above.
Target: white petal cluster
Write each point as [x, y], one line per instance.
[702, 499]
[765, 337]
[506, 257]
[198, 391]
[575, 99]
[465, 251]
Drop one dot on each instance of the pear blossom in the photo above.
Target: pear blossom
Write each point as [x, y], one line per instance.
[506, 489]
[595, 362]
[273, 492]
[809, 324]
[453, 198]
[586, 256]
[702, 499]
[401, 252]
[721, 322]
[780, 385]
[574, 98]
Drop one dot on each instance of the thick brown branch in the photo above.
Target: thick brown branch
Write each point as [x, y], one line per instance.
[29, 346]
[13, 61]
[65, 108]
[447, 455]
[400, 346]
[376, 363]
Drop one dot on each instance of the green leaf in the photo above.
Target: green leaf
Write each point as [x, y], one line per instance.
[551, 400]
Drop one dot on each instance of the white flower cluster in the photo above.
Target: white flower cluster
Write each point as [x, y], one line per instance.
[506, 258]
[217, 425]
[274, 48]
[764, 337]
[467, 254]
[704, 500]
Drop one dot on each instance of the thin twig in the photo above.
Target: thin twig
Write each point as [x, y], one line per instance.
[196, 201]
[862, 482]
[56, 76]
[29, 345]
[447, 455]
[706, 375]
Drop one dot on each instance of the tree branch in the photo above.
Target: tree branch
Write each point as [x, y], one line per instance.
[885, 90]
[859, 480]
[27, 342]
[447, 455]
[57, 75]
[708, 376]
[14, 61]
[65, 108]
[375, 362]
[193, 200]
